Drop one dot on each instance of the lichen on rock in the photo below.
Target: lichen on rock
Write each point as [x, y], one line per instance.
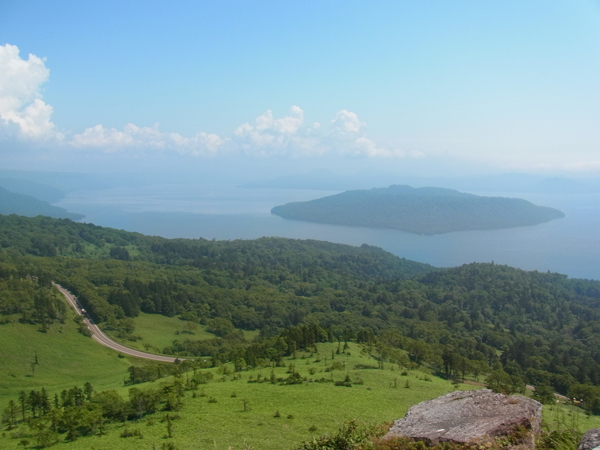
[591, 440]
[471, 417]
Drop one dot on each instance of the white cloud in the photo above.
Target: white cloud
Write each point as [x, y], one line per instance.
[348, 137]
[287, 136]
[287, 125]
[25, 116]
[143, 138]
[22, 111]
[100, 137]
[346, 124]
[198, 145]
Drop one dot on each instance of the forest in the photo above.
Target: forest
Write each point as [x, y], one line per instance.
[485, 319]
[418, 210]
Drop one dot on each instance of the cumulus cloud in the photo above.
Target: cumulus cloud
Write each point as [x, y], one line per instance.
[200, 144]
[268, 136]
[348, 137]
[25, 116]
[132, 136]
[100, 137]
[290, 136]
[23, 113]
[346, 124]
[285, 136]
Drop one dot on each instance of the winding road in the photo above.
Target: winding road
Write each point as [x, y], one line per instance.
[102, 338]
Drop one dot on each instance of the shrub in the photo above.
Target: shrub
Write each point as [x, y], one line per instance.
[131, 433]
[349, 436]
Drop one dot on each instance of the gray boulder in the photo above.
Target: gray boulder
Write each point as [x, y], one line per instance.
[591, 440]
[470, 416]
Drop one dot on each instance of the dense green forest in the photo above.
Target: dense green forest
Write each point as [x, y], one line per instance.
[528, 327]
[421, 210]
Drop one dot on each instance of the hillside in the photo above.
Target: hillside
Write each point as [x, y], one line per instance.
[222, 408]
[37, 190]
[290, 318]
[539, 326]
[26, 205]
[420, 210]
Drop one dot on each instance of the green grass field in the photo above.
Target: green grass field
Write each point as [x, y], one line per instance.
[66, 358]
[157, 332]
[306, 410]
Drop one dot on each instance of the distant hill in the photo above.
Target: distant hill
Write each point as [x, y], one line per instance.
[419, 210]
[317, 179]
[26, 205]
[40, 191]
[369, 178]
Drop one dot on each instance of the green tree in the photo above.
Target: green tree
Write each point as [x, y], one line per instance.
[544, 394]
[503, 383]
[24, 403]
[88, 390]
[10, 415]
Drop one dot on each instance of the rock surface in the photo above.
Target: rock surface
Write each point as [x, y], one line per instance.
[590, 440]
[469, 416]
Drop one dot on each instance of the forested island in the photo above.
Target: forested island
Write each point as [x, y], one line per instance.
[418, 210]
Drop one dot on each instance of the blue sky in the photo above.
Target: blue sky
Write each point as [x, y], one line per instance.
[424, 86]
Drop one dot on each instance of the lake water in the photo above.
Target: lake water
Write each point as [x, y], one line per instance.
[570, 245]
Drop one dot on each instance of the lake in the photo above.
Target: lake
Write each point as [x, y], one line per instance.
[218, 211]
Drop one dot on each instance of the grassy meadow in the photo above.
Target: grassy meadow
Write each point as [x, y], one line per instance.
[281, 416]
[155, 332]
[64, 358]
[227, 412]
[305, 410]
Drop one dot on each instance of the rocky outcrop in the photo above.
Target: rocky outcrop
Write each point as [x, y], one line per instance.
[591, 440]
[470, 416]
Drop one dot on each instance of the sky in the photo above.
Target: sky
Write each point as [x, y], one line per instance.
[280, 87]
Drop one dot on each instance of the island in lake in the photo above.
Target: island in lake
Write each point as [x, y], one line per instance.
[419, 210]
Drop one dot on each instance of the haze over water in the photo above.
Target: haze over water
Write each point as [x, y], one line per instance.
[227, 92]
[223, 211]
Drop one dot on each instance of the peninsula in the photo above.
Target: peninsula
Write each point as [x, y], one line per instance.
[26, 205]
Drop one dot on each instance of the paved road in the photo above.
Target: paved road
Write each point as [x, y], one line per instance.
[102, 338]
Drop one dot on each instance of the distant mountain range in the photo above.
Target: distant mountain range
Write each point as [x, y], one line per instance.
[418, 210]
[26, 205]
[509, 182]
